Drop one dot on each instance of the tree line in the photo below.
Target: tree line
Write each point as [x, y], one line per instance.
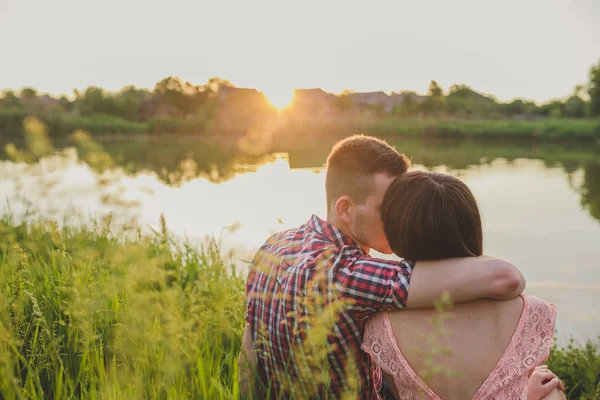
[174, 105]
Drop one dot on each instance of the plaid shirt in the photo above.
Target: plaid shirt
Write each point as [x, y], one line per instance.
[286, 272]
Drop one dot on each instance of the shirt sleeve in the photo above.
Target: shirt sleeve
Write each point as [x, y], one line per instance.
[373, 284]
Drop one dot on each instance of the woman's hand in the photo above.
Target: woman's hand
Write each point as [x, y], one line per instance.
[542, 382]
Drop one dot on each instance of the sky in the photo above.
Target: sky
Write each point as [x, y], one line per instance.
[534, 49]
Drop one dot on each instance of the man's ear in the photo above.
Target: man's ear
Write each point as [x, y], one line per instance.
[342, 208]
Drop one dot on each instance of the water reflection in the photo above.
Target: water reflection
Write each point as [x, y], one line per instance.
[177, 160]
[590, 190]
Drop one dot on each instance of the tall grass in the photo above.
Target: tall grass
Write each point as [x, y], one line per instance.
[87, 315]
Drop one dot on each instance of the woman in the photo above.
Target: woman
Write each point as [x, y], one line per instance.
[486, 349]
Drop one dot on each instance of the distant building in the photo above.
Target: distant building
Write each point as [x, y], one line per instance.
[228, 93]
[379, 99]
[315, 101]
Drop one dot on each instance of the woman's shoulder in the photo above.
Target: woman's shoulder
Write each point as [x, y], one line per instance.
[536, 332]
[534, 300]
[375, 325]
[377, 333]
[541, 308]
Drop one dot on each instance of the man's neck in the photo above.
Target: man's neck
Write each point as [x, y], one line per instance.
[346, 231]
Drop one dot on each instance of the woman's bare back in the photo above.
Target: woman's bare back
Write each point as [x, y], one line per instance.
[455, 354]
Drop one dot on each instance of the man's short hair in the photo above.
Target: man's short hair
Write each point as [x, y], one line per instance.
[352, 164]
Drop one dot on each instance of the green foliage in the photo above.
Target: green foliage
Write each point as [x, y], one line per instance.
[176, 106]
[435, 102]
[28, 93]
[125, 104]
[169, 125]
[183, 96]
[11, 121]
[345, 102]
[102, 124]
[579, 369]
[10, 101]
[590, 190]
[565, 129]
[594, 90]
[86, 315]
[463, 101]
[410, 104]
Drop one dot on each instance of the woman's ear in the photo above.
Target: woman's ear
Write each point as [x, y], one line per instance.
[343, 207]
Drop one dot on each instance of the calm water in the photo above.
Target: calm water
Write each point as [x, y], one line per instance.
[540, 204]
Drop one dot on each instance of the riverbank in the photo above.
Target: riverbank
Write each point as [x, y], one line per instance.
[85, 315]
[585, 130]
[283, 129]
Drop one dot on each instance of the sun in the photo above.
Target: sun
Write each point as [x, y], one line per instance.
[279, 97]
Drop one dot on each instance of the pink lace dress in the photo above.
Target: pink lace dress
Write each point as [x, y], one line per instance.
[528, 348]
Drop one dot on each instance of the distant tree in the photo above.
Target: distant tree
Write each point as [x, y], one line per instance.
[10, 100]
[575, 106]
[594, 90]
[556, 112]
[434, 89]
[410, 103]
[459, 90]
[522, 107]
[435, 101]
[66, 104]
[552, 109]
[344, 102]
[28, 93]
[128, 101]
[94, 101]
[514, 108]
[530, 108]
[184, 96]
[215, 84]
[464, 101]
[590, 190]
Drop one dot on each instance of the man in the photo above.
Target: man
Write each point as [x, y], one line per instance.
[331, 258]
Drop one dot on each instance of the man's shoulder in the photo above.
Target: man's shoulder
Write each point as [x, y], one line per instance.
[304, 246]
[368, 261]
[283, 239]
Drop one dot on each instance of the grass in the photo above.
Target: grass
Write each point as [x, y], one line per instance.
[87, 314]
[102, 124]
[11, 123]
[546, 129]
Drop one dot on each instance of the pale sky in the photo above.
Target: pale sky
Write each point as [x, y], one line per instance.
[536, 49]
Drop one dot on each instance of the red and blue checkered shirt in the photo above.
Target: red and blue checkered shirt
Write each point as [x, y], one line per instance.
[285, 274]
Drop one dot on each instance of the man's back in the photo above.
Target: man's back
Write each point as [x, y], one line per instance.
[309, 292]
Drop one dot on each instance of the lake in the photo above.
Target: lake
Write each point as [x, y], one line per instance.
[540, 203]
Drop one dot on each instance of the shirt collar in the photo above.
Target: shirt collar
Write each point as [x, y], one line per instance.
[332, 233]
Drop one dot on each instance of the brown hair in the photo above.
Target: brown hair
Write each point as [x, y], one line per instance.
[352, 164]
[430, 216]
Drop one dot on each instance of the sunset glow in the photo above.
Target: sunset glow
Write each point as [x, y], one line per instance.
[279, 97]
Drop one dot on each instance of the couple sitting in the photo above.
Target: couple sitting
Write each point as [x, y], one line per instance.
[498, 337]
